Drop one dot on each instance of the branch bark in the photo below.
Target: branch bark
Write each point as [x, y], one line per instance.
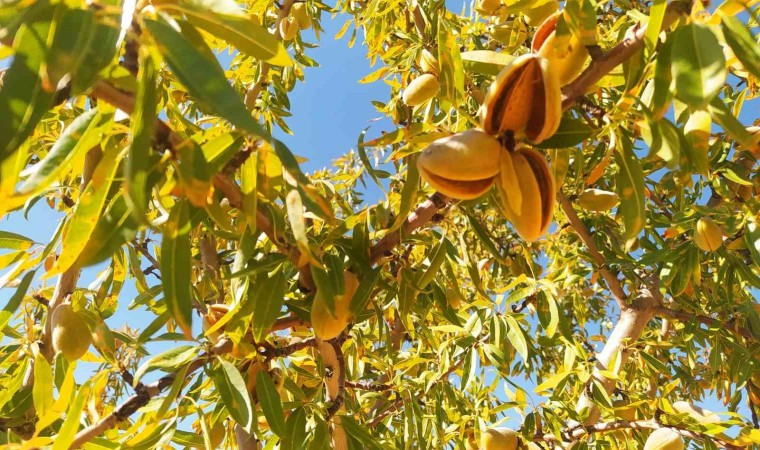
[141, 398]
[729, 325]
[613, 283]
[603, 65]
[575, 433]
[253, 92]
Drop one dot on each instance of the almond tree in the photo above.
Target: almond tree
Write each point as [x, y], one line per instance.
[566, 254]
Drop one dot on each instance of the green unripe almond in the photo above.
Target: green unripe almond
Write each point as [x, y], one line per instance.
[326, 325]
[301, 14]
[597, 200]
[422, 89]
[288, 28]
[71, 335]
[664, 439]
[708, 235]
[499, 439]
[428, 62]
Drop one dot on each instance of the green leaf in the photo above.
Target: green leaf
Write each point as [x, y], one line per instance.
[723, 116]
[751, 236]
[195, 67]
[115, 227]
[73, 31]
[656, 365]
[68, 430]
[267, 295]
[139, 161]
[629, 182]
[101, 48]
[741, 41]
[42, 389]
[82, 134]
[408, 193]
[297, 221]
[13, 241]
[487, 62]
[176, 260]
[364, 290]
[88, 209]
[169, 361]
[15, 301]
[436, 257]
[270, 402]
[231, 387]
[309, 195]
[570, 133]
[662, 88]
[240, 31]
[219, 150]
[360, 433]
[23, 102]
[451, 73]
[656, 16]
[669, 144]
[699, 67]
[547, 385]
[295, 430]
[516, 337]
[329, 280]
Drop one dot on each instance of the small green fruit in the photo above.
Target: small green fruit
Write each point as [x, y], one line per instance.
[708, 235]
[71, 335]
[422, 89]
[499, 439]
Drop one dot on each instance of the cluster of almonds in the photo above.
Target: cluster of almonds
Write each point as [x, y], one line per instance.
[297, 20]
[525, 102]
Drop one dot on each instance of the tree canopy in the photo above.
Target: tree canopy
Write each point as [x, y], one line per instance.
[565, 252]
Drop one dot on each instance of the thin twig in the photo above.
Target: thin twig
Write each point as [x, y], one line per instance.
[612, 281]
[280, 352]
[369, 386]
[577, 432]
[729, 325]
[337, 402]
[141, 398]
[253, 92]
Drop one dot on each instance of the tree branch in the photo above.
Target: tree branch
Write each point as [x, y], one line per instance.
[613, 283]
[729, 325]
[604, 64]
[575, 433]
[417, 219]
[253, 92]
[142, 396]
[337, 402]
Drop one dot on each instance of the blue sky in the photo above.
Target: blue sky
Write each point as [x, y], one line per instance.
[329, 111]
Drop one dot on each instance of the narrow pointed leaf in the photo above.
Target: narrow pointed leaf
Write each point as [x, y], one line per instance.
[268, 296]
[270, 402]
[202, 75]
[23, 102]
[88, 209]
[82, 134]
[139, 161]
[176, 260]
[699, 67]
[234, 393]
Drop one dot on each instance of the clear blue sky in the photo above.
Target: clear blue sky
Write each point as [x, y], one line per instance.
[329, 111]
